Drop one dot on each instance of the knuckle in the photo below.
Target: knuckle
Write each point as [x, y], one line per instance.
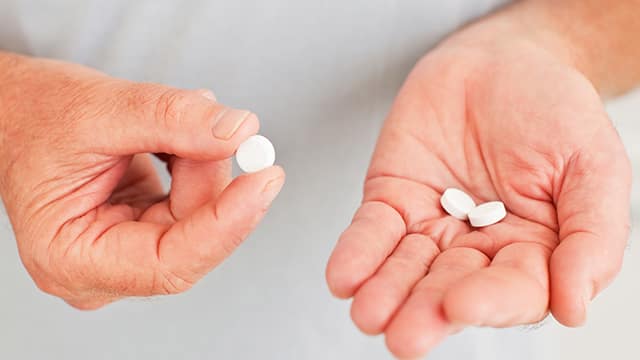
[50, 284]
[171, 106]
[172, 284]
[44, 278]
[231, 235]
[45, 285]
[65, 272]
[231, 243]
[87, 305]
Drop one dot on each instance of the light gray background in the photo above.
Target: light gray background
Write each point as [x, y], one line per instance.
[321, 75]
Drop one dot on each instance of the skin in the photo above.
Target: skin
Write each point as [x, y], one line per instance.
[92, 221]
[508, 108]
[503, 113]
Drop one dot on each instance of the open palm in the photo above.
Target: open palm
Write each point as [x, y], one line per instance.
[511, 124]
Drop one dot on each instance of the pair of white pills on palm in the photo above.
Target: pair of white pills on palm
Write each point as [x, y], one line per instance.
[461, 206]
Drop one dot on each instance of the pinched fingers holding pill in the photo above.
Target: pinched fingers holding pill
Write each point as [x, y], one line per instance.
[92, 221]
[474, 136]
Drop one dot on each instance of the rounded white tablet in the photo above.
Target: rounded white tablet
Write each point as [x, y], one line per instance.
[457, 203]
[487, 214]
[255, 154]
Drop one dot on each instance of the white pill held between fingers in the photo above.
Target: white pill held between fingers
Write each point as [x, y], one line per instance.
[255, 153]
[457, 203]
[487, 214]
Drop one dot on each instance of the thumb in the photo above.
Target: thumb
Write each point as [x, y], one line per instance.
[156, 118]
[593, 212]
[165, 260]
[196, 244]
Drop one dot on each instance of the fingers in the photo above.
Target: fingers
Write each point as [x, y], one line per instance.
[419, 206]
[199, 242]
[378, 299]
[374, 233]
[140, 186]
[421, 323]
[513, 229]
[156, 118]
[194, 183]
[143, 259]
[514, 290]
[93, 303]
[593, 211]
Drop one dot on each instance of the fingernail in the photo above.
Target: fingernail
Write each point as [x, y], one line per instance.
[208, 94]
[228, 122]
[272, 189]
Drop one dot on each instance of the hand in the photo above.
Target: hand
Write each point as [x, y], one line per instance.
[91, 219]
[502, 119]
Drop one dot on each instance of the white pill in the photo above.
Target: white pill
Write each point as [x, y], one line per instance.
[255, 154]
[457, 203]
[487, 214]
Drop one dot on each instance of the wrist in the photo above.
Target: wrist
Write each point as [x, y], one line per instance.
[593, 36]
[579, 33]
